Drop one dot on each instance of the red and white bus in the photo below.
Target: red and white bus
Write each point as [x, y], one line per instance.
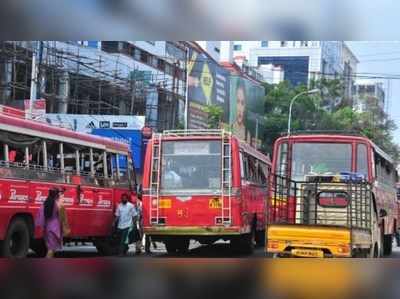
[204, 185]
[93, 172]
[298, 156]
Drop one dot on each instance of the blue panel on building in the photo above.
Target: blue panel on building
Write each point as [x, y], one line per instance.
[92, 44]
[295, 68]
[132, 137]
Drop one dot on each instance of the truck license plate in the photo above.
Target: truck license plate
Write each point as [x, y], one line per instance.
[307, 253]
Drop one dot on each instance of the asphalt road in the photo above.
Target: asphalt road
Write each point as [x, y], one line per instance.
[218, 250]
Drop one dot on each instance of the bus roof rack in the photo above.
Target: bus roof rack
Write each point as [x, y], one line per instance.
[316, 132]
[196, 132]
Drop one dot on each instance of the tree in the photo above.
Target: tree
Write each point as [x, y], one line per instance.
[215, 114]
[315, 112]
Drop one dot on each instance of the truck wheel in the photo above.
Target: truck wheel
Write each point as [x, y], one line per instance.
[387, 244]
[16, 243]
[107, 247]
[39, 247]
[260, 238]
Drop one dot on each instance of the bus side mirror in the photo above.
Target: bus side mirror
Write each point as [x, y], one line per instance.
[382, 213]
[139, 190]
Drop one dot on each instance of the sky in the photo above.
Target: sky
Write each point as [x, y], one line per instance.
[382, 58]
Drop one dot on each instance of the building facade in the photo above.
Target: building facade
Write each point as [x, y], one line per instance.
[368, 92]
[302, 61]
[99, 77]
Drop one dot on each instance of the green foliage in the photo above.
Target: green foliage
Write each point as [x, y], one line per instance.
[215, 114]
[314, 112]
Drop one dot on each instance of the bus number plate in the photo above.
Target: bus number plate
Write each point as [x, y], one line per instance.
[215, 203]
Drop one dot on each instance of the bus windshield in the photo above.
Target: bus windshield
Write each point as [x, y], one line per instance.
[191, 166]
[320, 159]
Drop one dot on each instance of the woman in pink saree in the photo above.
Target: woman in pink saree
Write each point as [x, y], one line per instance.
[49, 220]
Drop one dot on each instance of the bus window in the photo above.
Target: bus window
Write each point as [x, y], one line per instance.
[282, 159]
[384, 170]
[70, 159]
[191, 166]
[320, 159]
[262, 173]
[242, 174]
[252, 169]
[362, 160]
[123, 170]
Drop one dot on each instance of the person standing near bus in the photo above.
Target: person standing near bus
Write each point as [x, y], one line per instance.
[125, 214]
[138, 224]
[49, 220]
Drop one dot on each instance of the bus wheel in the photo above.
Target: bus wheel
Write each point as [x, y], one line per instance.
[16, 243]
[243, 244]
[387, 244]
[107, 247]
[39, 247]
[177, 245]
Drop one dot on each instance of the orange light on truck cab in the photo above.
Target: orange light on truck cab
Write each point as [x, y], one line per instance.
[273, 245]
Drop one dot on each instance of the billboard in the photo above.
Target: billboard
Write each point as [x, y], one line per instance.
[208, 84]
[131, 137]
[246, 102]
[123, 128]
[86, 123]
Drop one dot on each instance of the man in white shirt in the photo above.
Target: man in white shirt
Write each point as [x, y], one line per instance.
[125, 214]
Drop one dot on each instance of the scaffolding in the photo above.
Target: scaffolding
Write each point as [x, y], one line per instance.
[81, 80]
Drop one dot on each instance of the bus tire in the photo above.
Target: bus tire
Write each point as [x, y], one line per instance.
[177, 245]
[260, 238]
[39, 247]
[107, 247]
[243, 244]
[16, 242]
[387, 244]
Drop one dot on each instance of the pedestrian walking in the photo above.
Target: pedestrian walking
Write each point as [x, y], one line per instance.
[52, 219]
[148, 243]
[139, 226]
[124, 221]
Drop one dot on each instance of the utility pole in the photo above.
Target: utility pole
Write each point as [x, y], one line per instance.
[133, 90]
[186, 118]
[34, 72]
[256, 145]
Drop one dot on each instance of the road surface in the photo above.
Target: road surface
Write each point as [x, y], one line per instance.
[218, 250]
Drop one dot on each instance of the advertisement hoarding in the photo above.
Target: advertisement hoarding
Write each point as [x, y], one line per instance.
[123, 128]
[208, 84]
[246, 101]
[131, 137]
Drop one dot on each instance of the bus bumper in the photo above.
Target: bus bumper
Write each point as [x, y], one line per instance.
[192, 230]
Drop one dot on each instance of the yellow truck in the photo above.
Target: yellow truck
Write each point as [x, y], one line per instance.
[324, 216]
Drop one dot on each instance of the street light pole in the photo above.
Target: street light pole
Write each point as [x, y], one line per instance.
[291, 105]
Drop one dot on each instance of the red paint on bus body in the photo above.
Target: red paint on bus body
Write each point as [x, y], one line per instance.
[193, 215]
[90, 208]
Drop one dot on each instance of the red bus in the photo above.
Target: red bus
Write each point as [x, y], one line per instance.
[298, 156]
[93, 172]
[204, 185]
